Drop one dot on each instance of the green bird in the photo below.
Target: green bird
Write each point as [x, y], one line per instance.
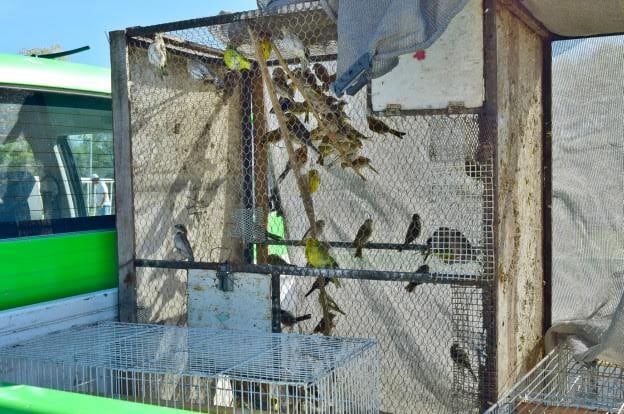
[234, 60]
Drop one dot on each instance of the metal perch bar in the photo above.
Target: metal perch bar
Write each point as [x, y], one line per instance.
[436, 278]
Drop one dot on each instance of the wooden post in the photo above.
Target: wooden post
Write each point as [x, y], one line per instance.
[124, 200]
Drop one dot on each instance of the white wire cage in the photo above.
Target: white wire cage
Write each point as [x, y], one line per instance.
[561, 384]
[202, 369]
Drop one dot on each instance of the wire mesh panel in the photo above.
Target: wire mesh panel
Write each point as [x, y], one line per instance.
[201, 369]
[388, 219]
[561, 384]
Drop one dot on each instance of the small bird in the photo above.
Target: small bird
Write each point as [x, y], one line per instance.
[181, 242]
[323, 75]
[412, 285]
[460, 357]
[319, 282]
[299, 130]
[325, 150]
[314, 181]
[413, 231]
[231, 80]
[378, 126]
[320, 226]
[234, 60]
[200, 72]
[265, 45]
[289, 320]
[275, 260]
[450, 246]
[301, 157]
[322, 325]
[318, 256]
[157, 54]
[289, 105]
[332, 305]
[272, 137]
[294, 46]
[364, 233]
[359, 163]
[280, 83]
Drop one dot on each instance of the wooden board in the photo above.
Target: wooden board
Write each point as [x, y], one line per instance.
[519, 269]
[247, 307]
[450, 74]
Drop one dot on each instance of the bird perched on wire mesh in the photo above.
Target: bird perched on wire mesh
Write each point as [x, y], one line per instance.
[181, 242]
[323, 75]
[301, 157]
[320, 226]
[460, 357]
[295, 107]
[293, 45]
[201, 72]
[450, 246]
[275, 260]
[318, 256]
[280, 84]
[234, 60]
[299, 130]
[322, 325]
[314, 181]
[413, 231]
[412, 285]
[289, 320]
[361, 238]
[157, 54]
[380, 127]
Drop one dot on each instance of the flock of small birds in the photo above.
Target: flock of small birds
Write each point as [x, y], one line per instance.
[335, 140]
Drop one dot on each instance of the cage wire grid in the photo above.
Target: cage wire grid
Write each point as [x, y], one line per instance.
[207, 153]
[202, 369]
[560, 383]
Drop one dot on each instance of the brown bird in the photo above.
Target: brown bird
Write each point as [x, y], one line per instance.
[299, 130]
[412, 285]
[275, 260]
[320, 226]
[301, 157]
[332, 305]
[280, 83]
[460, 357]
[295, 107]
[362, 236]
[359, 163]
[323, 75]
[272, 137]
[413, 231]
[318, 283]
[181, 242]
[378, 126]
[289, 320]
[320, 327]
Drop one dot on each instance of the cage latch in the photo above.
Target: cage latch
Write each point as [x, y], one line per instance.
[226, 284]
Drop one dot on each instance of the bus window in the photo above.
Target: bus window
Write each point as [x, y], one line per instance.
[51, 145]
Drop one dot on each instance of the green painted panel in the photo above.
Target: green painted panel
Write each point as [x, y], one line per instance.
[22, 399]
[43, 268]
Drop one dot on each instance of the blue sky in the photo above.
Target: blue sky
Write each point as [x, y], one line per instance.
[75, 23]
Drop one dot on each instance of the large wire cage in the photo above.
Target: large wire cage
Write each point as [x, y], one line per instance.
[202, 369]
[562, 384]
[211, 151]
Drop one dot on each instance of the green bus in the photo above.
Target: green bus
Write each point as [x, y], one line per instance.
[57, 239]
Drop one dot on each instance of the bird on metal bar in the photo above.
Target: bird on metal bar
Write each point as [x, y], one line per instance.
[289, 320]
[413, 231]
[275, 260]
[380, 127]
[460, 357]
[363, 235]
[181, 242]
[157, 54]
[318, 256]
[412, 285]
[450, 246]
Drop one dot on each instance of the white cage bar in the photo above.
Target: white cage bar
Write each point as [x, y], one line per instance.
[202, 369]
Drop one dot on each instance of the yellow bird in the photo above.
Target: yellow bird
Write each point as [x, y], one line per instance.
[314, 181]
[265, 45]
[234, 60]
[318, 255]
